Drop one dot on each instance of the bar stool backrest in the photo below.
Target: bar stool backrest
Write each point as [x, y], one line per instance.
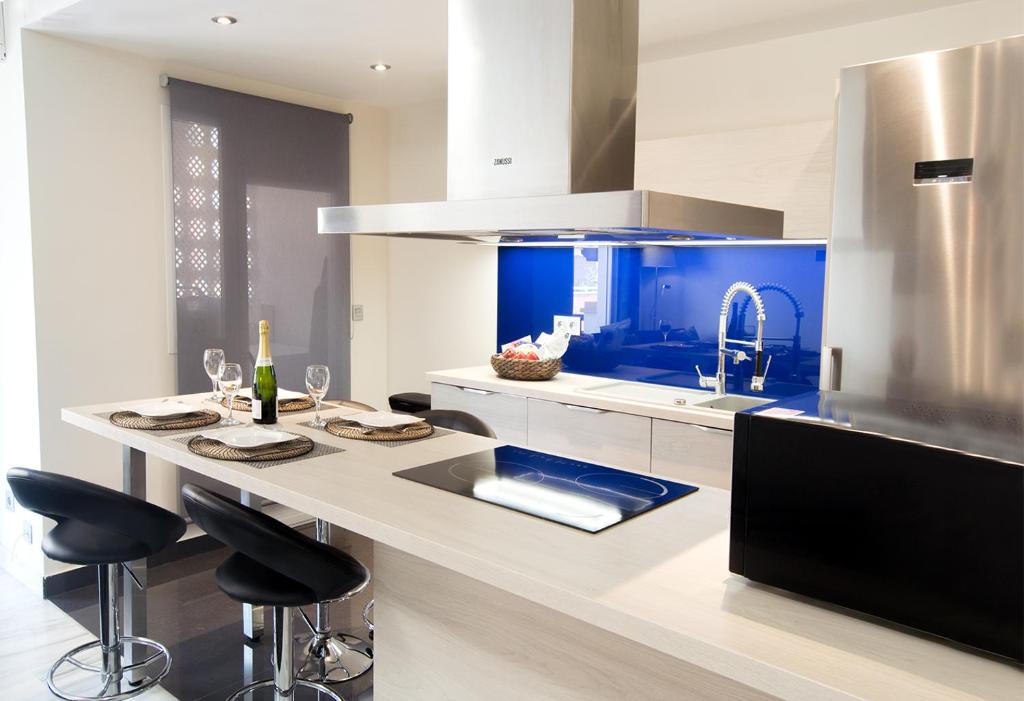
[456, 421]
[270, 542]
[63, 498]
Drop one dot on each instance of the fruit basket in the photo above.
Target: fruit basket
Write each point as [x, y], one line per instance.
[519, 369]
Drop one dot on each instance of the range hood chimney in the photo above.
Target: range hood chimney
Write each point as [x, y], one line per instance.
[541, 137]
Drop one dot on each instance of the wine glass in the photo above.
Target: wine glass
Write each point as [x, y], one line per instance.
[318, 380]
[230, 381]
[213, 361]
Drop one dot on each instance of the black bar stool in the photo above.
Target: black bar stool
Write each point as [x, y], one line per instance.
[276, 566]
[409, 402]
[456, 421]
[101, 527]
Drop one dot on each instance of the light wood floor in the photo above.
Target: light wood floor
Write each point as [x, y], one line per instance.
[33, 635]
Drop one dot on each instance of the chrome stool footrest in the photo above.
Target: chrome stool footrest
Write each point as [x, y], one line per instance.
[319, 688]
[111, 686]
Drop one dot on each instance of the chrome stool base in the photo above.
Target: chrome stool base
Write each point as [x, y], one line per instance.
[335, 657]
[319, 688]
[113, 687]
[330, 656]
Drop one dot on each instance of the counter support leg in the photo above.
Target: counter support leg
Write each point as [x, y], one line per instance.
[252, 616]
[133, 610]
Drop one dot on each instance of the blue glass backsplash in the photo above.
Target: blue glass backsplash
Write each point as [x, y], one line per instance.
[650, 314]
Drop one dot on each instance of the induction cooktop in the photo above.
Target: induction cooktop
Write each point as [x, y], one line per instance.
[574, 493]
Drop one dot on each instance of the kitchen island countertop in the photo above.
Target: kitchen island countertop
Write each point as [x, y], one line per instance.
[660, 580]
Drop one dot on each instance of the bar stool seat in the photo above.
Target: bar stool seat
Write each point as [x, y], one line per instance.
[79, 543]
[101, 527]
[246, 580]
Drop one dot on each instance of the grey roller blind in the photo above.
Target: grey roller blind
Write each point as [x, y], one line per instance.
[248, 176]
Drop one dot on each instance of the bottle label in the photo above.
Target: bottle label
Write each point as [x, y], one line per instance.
[264, 362]
[257, 408]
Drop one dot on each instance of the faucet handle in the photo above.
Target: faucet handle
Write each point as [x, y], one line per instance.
[757, 381]
[705, 381]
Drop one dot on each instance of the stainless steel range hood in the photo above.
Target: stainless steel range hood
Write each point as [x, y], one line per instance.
[541, 135]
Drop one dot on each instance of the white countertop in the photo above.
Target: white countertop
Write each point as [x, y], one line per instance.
[660, 579]
[567, 387]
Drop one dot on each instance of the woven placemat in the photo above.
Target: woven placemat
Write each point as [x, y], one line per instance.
[438, 432]
[319, 450]
[210, 448]
[343, 428]
[297, 404]
[130, 419]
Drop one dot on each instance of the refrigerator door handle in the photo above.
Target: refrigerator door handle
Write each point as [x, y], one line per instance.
[831, 368]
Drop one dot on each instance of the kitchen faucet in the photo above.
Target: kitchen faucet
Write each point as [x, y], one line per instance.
[757, 381]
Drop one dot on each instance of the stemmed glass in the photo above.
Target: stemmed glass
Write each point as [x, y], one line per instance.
[230, 382]
[213, 361]
[318, 380]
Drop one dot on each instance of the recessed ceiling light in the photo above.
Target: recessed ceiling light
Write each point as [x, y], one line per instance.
[380, 67]
[224, 19]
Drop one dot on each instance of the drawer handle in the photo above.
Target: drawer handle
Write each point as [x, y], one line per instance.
[711, 429]
[474, 390]
[585, 409]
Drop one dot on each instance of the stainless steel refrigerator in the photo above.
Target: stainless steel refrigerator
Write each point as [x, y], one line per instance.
[925, 291]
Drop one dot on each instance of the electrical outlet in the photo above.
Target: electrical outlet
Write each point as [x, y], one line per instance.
[26, 532]
[357, 312]
[9, 500]
[572, 324]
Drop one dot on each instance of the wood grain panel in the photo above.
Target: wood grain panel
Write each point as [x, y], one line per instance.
[692, 453]
[605, 437]
[504, 413]
[441, 636]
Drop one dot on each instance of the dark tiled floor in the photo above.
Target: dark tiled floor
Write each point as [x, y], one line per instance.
[203, 628]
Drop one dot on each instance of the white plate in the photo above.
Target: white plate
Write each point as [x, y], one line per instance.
[249, 436]
[382, 419]
[164, 410]
[283, 395]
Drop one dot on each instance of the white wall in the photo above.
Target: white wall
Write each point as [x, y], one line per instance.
[96, 177]
[442, 295]
[19, 413]
[752, 123]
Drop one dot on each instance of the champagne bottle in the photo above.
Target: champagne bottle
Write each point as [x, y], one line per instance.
[264, 382]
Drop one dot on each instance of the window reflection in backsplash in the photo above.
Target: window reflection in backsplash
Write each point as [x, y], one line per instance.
[650, 313]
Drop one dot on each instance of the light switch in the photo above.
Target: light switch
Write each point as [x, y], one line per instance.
[357, 312]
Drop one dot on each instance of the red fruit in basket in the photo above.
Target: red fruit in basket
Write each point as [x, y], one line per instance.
[532, 356]
[509, 354]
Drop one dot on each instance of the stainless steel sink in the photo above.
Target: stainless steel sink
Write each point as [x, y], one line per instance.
[732, 402]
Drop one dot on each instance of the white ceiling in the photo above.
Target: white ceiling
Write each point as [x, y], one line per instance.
[326, 46]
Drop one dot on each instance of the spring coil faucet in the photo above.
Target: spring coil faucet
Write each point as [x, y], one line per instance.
[757, 381]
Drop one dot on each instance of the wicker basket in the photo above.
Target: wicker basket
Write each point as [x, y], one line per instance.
[514, 369]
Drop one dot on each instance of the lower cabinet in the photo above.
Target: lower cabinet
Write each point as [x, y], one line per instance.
[685, 452]
[504, 413]
[606, 437]
[692, 453]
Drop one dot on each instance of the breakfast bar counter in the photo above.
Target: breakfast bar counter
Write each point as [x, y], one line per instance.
[474, 601]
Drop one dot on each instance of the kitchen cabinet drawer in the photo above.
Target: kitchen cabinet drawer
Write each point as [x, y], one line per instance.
[692, 453]
[504, 413]
[605, 437]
